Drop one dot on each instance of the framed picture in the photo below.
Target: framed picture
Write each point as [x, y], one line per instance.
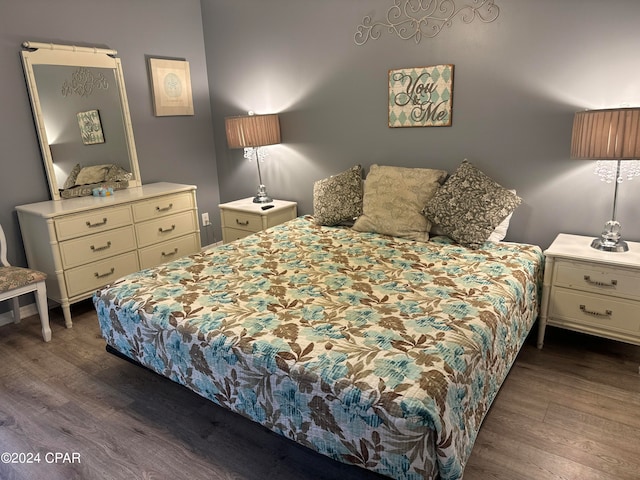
[171, 87]
[421, 96]
[90, 127]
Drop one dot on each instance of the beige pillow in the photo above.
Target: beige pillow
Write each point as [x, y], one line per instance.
[394, 198]
[93, 174]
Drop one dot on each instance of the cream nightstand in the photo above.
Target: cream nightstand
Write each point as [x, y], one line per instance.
[591, 291]
[243, 217]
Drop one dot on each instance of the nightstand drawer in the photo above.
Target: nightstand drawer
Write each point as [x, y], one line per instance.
[231, 234]
[598, 311]
[250, 222]
[598, 278]
[165, 228]
[73, 226]
[96, 247]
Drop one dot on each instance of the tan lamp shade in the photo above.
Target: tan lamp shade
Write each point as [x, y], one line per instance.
[612, 134]
[252, 130]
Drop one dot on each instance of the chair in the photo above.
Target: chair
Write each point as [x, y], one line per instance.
[16, 281]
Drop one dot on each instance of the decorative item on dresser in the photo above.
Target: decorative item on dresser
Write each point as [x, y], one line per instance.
[85, 243]
[252, 132]
[241, 218]
[591, 291]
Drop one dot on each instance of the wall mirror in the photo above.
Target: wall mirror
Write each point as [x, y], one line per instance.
[82, 118]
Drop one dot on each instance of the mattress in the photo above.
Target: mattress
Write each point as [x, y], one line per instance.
[373, 350]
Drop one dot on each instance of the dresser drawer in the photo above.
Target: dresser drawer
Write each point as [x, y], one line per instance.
[598, 279]
[87, 278]
[73, 226]
[162, 206]
[165, 228]
[98, 246]
[167, 251]
[599, 311]
[249, 222]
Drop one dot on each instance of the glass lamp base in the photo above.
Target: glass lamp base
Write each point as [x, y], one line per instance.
[262, 196]
[610, 240]
[607, 246]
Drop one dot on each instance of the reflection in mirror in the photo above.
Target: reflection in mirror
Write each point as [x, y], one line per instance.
[82, 117]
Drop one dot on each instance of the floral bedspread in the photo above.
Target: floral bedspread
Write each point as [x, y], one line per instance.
[375, 351]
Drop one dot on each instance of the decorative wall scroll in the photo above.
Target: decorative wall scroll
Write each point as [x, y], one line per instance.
[83, 82]
[421, 96]
[425, 18]
[90, 127]
[171, 87]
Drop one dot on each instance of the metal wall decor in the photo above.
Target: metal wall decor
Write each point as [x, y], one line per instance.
[83, 82]
[415, 19]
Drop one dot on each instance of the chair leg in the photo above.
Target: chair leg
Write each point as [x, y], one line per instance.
[43, 310]
[15, 306]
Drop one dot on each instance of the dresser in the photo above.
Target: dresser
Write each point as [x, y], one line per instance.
[85, 243]
[591, 291]
[241, 218]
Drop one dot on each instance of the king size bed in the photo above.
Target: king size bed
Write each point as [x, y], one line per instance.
[373, 350]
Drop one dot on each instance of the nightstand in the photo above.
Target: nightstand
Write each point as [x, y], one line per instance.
[591, 291]
[243, 217]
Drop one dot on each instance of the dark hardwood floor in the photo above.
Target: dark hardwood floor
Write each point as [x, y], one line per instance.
[570, 411]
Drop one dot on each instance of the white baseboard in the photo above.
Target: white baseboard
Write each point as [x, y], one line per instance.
[25, 311]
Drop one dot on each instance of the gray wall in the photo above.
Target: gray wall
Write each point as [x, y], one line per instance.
[518, 82]
[176, 149]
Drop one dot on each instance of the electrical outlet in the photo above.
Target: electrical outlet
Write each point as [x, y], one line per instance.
[205, 219]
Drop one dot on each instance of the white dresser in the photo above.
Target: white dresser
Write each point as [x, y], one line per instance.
[591, 291]
[85, 243]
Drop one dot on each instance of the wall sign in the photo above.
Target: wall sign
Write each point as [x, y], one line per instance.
[421, 96]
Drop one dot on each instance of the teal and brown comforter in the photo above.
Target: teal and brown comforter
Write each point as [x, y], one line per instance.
[372, 350]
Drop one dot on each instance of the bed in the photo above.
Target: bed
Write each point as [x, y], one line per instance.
[374, 350]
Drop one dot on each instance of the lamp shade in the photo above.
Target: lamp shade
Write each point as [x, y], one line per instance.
[252, 130]
[612, 134]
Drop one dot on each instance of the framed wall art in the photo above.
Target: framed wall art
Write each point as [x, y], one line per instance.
[421, 96]
[90, 127]
[171, 87]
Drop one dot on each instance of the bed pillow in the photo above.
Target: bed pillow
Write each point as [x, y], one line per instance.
[394, 198]
[92, 174]
[338, 199]
[498, 234]
[71, 179]
[470, 205]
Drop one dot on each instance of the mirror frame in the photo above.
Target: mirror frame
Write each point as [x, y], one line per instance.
[35, 53]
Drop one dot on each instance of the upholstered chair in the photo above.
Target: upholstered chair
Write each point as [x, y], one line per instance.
[16, 281]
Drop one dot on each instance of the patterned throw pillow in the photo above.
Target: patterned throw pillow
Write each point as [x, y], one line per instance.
[338, 199]
[470, 205]
[71, 179]
[394, 198]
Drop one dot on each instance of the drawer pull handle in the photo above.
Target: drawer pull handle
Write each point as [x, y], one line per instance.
[165, 230]
[102, 275]
[104, 247]
[175, 250]
[99, 224]
[244, 224]
[607, 313]
[164, 209]
[613, 283]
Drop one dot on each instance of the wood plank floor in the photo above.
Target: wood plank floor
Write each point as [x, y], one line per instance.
[570, 411]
